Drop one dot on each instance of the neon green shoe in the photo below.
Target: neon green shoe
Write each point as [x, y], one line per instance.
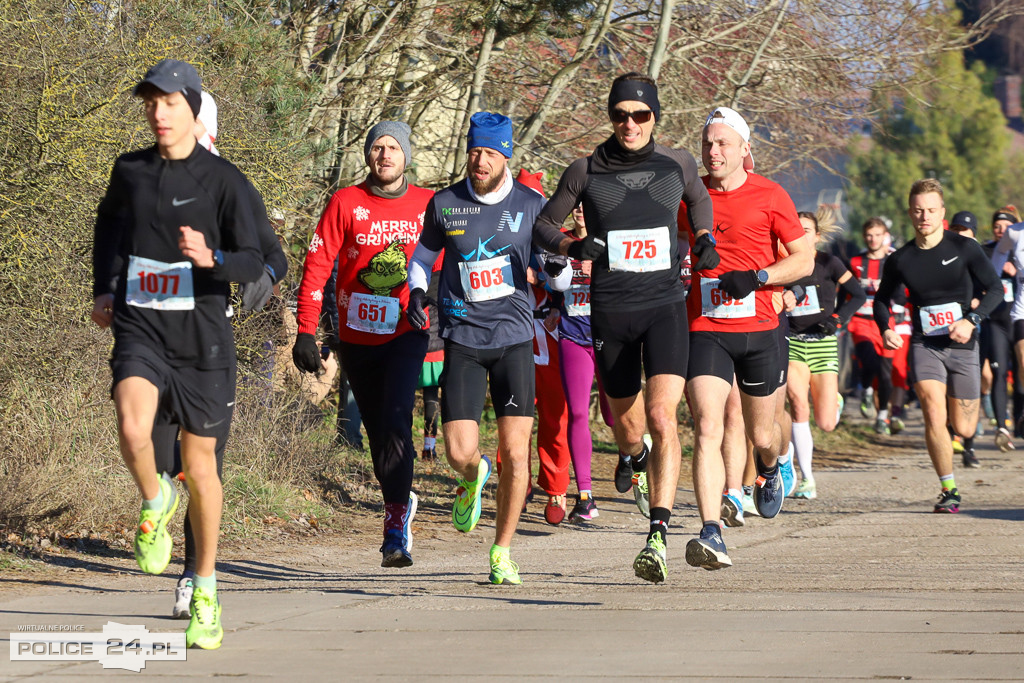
[650, 564]
[466, 510]
[504, 572]
[152, 542]
[204, 630]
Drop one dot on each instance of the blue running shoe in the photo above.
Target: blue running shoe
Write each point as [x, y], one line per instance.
[787, 474]
[466, 510]
[768, 493]
[732, 510]
[707, 551]
[397, 548]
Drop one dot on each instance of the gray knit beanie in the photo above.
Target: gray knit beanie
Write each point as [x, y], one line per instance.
[396, 129]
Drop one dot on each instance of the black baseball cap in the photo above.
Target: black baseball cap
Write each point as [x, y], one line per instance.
[170, 75]
[965, 219]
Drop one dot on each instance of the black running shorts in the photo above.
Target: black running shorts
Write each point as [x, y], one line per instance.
[201, 401]
[654, 341]
[465, 377]
[753, 357]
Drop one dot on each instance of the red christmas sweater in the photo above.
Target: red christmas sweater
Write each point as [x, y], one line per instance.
[375, 238]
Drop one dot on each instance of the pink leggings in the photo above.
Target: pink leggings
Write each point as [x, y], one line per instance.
[578, 375]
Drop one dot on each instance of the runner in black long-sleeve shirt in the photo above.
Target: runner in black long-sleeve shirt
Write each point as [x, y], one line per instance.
[936, 269]
[173, 231]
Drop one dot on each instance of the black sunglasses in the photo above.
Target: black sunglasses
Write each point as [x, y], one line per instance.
[642, 116]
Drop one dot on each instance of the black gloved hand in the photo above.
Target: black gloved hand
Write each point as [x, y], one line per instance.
[256, 294]
[587, 249]
[738, 283]
[417, 309]
[305, 353]
[829, 325]
[707, 256]
[554, 264]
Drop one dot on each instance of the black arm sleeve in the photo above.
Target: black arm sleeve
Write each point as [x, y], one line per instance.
[432, 236]
[890, 283]
[696, 197]
[107, 234]
[243, 261]
[985, 274]
[547, 229]
[855, 299]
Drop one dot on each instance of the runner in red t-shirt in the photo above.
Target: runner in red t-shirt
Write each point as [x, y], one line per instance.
[733, 324]
[374, 227]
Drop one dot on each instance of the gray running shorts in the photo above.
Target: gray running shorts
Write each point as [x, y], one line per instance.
[958, 369]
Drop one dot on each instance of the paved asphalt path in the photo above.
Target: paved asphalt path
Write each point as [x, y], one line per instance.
[864, 583]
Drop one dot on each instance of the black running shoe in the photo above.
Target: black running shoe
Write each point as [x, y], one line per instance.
[624, 475]
[970, 459]
[949, 501]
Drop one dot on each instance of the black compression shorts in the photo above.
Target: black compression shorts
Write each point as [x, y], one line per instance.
[654, 340]
[465, 375]
[201, 401]
[753, 357]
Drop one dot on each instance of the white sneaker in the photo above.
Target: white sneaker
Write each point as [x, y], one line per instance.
[182, 599]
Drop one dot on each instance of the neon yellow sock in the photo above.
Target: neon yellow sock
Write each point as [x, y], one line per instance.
[948, 482]
[497, 551]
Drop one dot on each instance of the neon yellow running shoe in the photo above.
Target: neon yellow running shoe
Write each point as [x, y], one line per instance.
[650, 564]
[204, 630]
[466, 510]
[152, 542]
[504, 572]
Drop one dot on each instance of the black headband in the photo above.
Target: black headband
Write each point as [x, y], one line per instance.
[639, 91]
[1003, 216]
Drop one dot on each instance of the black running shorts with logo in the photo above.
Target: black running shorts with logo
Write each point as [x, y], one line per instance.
[782, 331]
[958, 369]
[752, 357]
[654, 341]
[200, 401]
[465, 377]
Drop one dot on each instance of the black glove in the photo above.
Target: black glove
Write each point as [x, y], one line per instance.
[738, 283]
[305, 353]
[417, 309]
[587, 249]
[554, 264]
[256, 294]
[704, 250]
[829, 325]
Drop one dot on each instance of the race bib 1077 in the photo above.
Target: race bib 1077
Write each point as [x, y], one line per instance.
[158, 285]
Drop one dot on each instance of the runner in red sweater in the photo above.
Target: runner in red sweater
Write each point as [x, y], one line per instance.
[374, 227]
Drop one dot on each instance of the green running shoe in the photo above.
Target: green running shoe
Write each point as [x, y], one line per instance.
[466, 510]
[641, 494]
[650, 565]
[152, 542]
[504, 572]
[204, 630]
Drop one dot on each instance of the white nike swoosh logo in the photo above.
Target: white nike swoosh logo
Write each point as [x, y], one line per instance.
[182, 202]
[750, 384]
[231, 404]
[946, 263]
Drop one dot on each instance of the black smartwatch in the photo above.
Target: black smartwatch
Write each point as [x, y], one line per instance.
[762, 277]
[973, 318]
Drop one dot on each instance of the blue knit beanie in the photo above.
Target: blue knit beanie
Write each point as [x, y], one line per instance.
[490, 130]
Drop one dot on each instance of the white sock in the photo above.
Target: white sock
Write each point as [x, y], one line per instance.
[883, 414]
[736, 493]
[788, 455]
[803, 446]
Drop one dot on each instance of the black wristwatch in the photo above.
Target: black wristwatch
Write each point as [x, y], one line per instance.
[973, 318]
[762, 277]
